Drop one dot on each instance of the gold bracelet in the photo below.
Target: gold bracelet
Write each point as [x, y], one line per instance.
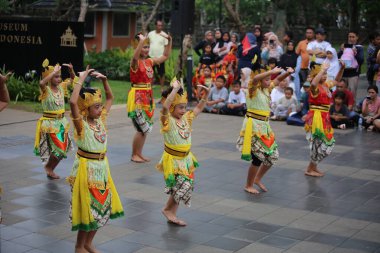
[203, 100]
[79, 83]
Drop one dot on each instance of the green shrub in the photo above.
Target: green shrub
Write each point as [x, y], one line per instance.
[114, 63]
[23, 89]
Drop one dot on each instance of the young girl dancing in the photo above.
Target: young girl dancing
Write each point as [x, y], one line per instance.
[256, 141]
[319, 131]
[52, 139]
[140, 104]
[94, 196]
[177, 162]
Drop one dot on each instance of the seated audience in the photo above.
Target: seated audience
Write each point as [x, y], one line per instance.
[339, 112]
[236, 101]
[285, 105]
[371, 108]
[218, 96]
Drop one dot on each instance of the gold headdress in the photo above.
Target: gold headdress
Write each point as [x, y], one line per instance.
[179, 98]
[315, 69]
[47, 68]
[136, 40]
[87, 98]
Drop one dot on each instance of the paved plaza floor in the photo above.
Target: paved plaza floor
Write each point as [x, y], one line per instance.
[338, 213]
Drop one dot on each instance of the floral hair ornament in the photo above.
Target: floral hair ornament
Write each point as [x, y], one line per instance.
[47, 69]
[136, 41]
[87, 98]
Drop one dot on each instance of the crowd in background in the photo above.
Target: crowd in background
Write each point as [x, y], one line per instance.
[227, 63]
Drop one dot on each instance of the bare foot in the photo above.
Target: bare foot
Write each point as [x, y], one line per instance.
[137, 159]
[80, 250]
[313, 174]
[261, 186]
[177, 222]
[318, 171]
[172, 219]
[91, 249]
[251, 190]
[51, 175]
[144, 158]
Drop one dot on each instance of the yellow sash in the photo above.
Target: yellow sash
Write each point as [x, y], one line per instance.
[248, 133]
[131, 105]
[82, 219]
[38, 128]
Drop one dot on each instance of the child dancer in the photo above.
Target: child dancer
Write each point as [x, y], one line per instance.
[140, 104]
[256, 141]
[319, 131]
[177, 162]
[52, 138]
[94, 196]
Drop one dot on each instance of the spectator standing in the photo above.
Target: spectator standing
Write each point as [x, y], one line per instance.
[209, 39]
[247, 52]
[289, 59]
[259, 36]
[302, 51]
[235, 39]
[158, 41]
[318, 47]
[288, 36]
[374, 42]
[207, 58]
[222, 47]
[272, 50]
[352, 71]
[332, 59]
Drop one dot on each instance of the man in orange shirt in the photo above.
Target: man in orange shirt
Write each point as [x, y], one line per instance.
[301, 50]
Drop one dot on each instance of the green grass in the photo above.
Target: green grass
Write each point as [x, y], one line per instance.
[120, 90]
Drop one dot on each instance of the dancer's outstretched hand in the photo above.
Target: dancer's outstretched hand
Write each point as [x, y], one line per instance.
[98, 75]
[290, 70]
[276, 70]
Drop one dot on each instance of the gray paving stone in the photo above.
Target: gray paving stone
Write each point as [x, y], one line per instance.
[246, 235]
[336, 213]
[278, 241]
[227, 243]
[34, 240]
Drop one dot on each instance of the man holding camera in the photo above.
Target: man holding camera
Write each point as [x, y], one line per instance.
[352, 71]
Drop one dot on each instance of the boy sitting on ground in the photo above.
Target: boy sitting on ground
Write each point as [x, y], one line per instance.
[236, 101]
[218, 96]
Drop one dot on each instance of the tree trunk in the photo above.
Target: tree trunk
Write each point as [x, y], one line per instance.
[234, 15]
[186, 46]
[280, 23]
[144, 24]
[353, 11]
[83, 10]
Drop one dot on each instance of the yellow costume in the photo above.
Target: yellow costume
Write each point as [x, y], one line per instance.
[94, 195]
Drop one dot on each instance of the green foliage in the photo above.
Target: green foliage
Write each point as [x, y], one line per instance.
[4, 6]
[23, 89]
[114, 63]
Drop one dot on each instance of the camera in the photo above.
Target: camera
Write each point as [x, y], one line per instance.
[271, 42]
[348, 45]
[368, 97]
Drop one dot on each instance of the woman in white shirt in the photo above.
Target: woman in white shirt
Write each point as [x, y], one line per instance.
[223, 46]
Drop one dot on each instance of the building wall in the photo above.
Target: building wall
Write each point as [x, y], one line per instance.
[95, 42]
[112, 42]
